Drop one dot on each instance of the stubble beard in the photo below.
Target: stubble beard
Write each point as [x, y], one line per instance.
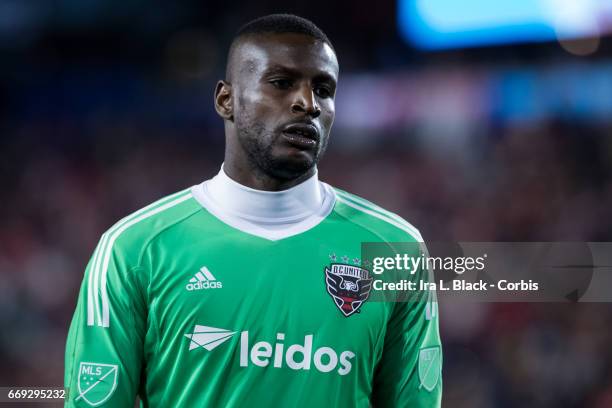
[258, 143]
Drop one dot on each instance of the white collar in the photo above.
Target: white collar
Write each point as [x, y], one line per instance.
[269, 214]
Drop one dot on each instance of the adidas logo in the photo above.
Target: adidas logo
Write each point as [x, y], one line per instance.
[203, 279]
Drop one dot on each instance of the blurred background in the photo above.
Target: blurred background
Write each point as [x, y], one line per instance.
[474, 120]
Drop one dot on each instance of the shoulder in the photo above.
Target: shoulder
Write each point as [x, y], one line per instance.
[131, 234]
[371, 216]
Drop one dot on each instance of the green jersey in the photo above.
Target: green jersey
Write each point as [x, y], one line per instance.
[183, 309]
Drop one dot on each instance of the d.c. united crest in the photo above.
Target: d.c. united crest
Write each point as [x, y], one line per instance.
[349, 286]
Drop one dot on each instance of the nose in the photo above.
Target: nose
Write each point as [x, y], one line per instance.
[304, 102]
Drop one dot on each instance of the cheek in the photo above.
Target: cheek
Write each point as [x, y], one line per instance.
[256, 101]
[327, 115]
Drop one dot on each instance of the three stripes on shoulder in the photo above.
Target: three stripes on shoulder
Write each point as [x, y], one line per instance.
[97, 296]
[371, 209]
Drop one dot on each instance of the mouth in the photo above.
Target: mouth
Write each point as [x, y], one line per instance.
[302, 135]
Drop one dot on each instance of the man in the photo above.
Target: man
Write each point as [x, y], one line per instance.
[248, 289]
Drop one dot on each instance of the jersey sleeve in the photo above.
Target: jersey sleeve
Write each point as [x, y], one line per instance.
[409, 373]
[105, 341]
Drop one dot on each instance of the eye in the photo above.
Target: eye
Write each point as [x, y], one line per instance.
[322, 92]
[282, 83]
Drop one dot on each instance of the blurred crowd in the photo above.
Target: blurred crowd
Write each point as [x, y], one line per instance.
[79, 152]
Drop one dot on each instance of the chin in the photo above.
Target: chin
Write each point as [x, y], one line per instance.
[289, 168]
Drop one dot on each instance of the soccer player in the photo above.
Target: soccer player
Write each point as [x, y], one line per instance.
[248, 289]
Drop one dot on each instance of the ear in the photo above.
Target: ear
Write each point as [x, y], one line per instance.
[223, 100]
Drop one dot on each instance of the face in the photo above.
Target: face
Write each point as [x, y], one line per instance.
[283, 88]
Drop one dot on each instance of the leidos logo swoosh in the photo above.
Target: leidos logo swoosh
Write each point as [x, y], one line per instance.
[263, 354]
[203, 279]
[208, 337]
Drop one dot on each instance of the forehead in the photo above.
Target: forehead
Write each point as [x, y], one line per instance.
[298, 52]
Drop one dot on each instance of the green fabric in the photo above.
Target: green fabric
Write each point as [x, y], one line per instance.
[283, 341]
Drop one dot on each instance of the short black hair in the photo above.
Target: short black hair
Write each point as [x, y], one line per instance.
[282, 23]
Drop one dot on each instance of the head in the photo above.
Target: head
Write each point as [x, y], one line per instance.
[277, 99]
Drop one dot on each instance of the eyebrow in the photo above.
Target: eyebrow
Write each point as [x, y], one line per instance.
[280, 69]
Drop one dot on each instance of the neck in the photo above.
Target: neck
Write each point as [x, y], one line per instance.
[251, 176]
